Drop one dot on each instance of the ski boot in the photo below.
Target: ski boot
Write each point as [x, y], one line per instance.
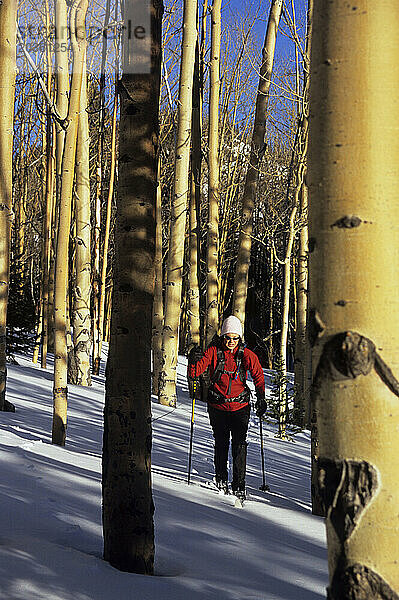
[222, 486]
[240, 498]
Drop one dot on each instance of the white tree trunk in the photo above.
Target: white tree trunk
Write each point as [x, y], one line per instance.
[170, 334]
[354, 302]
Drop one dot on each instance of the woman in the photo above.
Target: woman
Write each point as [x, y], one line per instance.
[229, 399]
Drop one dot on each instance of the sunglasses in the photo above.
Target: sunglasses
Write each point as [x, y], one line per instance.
[231, 339]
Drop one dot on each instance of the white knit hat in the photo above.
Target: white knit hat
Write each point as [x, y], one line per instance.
[231, 325]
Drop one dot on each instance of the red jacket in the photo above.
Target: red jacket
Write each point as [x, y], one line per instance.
[250, 362]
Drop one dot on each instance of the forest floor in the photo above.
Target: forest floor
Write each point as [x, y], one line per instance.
[50, 507]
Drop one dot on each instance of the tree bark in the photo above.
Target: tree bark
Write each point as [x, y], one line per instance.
[354, 270]
[302, 349]
[107, 232]
[212, 308]
[127, 497]
[82, 289]
[49, 204]
[62, 87]
[270, 341]
[170, 334]
[47, 228]
[195, 188]
[193, 287]
[286, 284]
[77, 26]
[258, 146]
[62, 78]
[157, 314]
[97, 274]
[7, 93]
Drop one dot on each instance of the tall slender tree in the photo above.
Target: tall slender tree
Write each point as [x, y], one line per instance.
[157, 313]
[81, 318]
[47, 226]
[195, 188]
[127, 497]
[354, 271]
[302, 350]
[62, 78]
[212, 309]
[258, 147]
[97, 330]
[285, 306]
[48, 204]
[61, 320]
[107, 228]
[7, 93]
[170, 334]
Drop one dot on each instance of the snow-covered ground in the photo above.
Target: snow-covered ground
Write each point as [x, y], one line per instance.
[50, 508]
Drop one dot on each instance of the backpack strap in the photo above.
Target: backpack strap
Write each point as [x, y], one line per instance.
[220, 363]
[241, 371]
[220, 368]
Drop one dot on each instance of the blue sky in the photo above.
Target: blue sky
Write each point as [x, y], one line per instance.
[284, 45]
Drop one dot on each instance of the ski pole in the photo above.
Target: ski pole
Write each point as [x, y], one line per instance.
[264, 487]
[194, 387]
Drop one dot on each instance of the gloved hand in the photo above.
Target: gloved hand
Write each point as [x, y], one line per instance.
[194, 355]
[260, 404]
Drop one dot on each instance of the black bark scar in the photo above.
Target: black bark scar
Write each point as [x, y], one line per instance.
[358, 582]
[349, 354]
[347, 487]
[347, 222]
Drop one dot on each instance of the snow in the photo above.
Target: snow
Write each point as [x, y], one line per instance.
[50, 507]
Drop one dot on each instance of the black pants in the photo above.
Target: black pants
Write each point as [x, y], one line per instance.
[223, 424]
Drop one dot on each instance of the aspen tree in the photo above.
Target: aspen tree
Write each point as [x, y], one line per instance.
[258, 147]
[61, 104]
[270, 345]
[286, 283]
[47, 228]
[302, 356]
[48, 193]
[170, 334]
[157, 313]
[212, 309]
[288, 266]
[62, 78]
[195, 185]
[78, 42]
[47, 225]
[98, 293]
[19, 203]
[193, 289]
[233, 163]
[127, 498]
[302, 350]
[81, 317]
[354, 274]
[107, 228]
[7, 92]
[96, 266]
[47, 147]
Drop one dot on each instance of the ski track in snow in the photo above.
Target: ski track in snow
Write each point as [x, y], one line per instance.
[50, 507]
